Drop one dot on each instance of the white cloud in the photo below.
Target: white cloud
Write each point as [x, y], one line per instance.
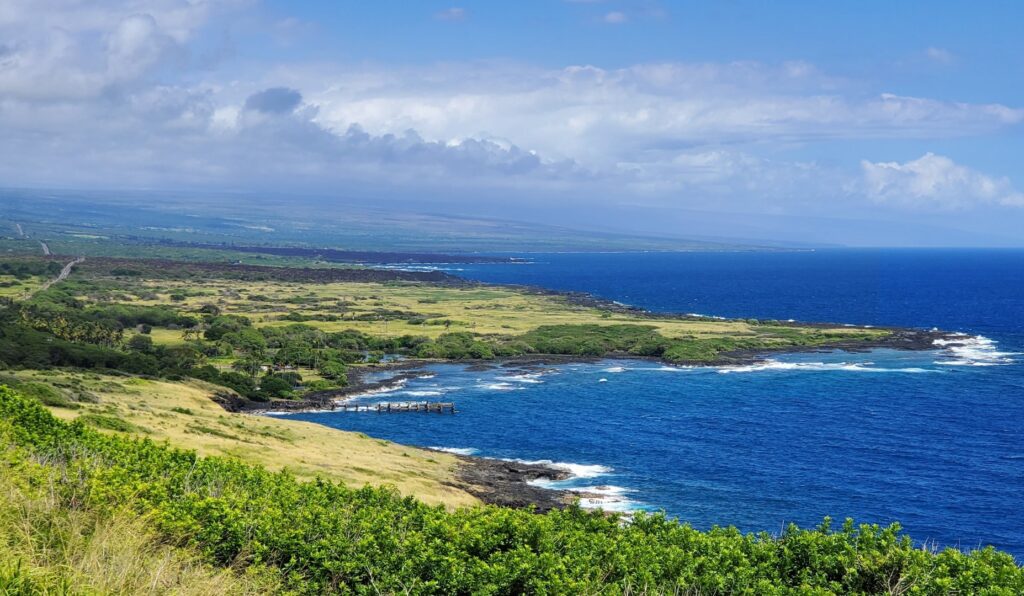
[451, 14]
[939, 55]
[93, 92]
[615, 18]
[604, 116]
[69, 50]
[936, 181]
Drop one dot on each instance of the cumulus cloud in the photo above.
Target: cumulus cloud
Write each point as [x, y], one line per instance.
[935, 181]
[57, 50]
[604, 116]
[96, 92]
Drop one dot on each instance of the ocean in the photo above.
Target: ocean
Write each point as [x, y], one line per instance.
[932, 440]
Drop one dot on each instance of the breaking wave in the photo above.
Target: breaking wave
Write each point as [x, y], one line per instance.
[457, 450]
[502, 386]
[574, 470]
[972, 350]
[776, 365]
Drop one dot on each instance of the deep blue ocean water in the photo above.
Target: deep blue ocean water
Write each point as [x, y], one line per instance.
[933, 440]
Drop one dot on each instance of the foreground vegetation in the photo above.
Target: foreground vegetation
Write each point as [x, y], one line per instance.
[185, 414]
[316, 537]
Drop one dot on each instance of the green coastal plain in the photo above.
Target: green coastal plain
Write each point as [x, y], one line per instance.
[122, 472]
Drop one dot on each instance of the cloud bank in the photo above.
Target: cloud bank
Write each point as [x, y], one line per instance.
[128, 93]
[935, 180]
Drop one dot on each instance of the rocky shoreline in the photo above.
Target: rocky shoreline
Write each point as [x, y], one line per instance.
[507, 483]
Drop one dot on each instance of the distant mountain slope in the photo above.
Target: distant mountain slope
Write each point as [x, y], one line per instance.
[300, 222]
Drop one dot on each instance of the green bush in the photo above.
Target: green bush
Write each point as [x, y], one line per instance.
[107, 422]
[590, 339]
[45, 394]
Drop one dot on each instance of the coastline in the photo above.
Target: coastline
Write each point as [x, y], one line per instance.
[899, 339]
[515, 484]
[520, 484]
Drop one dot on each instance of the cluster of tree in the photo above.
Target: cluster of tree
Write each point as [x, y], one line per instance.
[320, 537]
[130, 315]
[65, 325]
[596, 340]
[22, 269]
[456, 346]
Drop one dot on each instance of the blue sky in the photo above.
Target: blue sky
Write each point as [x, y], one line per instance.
[867, 123]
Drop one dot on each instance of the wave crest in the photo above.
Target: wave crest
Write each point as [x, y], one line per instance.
[973, 350]
[776, 365]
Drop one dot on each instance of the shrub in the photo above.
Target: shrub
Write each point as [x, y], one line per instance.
[108, 422]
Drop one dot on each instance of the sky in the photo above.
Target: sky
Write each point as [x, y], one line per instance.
[860, 123]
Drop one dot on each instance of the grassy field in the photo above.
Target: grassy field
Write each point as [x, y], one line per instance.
[184, 414]
[12, 287]
[406, 308]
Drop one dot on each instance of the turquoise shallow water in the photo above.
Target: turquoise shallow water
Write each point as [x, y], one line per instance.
[931, 439]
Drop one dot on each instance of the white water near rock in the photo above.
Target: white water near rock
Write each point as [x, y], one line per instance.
[973, 350]
[776, 365]
[457, 450]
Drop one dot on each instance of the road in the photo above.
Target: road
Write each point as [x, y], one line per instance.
[64, 273]
[46, 249]
[21, 232]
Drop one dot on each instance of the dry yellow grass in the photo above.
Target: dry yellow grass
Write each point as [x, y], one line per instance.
[12, 287]
[184, 414]
[50, 548]
[482, 310]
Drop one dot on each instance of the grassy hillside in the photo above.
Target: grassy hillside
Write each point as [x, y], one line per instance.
[241, 522]
[134, 225]
[50, 547]
[395, 309]
[185, 415]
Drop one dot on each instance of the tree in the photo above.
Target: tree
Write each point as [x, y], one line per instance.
[182, 357]
[222, 325]
[275, 386]
[141, 343]
[335, 371]
[294, 354]
[248, 365]
[248, 341]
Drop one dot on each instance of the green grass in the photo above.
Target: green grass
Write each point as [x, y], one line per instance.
[108, 422]
[50, 545]
[404, 308]
[185, 415]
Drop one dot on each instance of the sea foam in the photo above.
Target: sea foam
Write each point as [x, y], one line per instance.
[457, 450]
[502, 386]
[530, 378]
[574, 470]
[423, 392]
[776, 365]
[973, 350]
[389, 388]
[605, 497]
